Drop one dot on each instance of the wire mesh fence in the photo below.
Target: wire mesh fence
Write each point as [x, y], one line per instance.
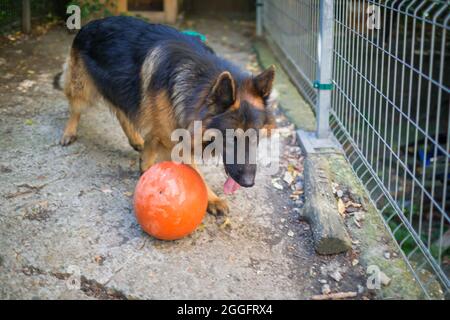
[293, 27]
[11, 12]
[389, 110]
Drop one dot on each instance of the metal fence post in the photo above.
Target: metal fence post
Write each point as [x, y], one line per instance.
[26, 16]
[259, 17]
[324, 67]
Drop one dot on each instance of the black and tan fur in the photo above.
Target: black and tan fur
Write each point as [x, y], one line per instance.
[156, 79]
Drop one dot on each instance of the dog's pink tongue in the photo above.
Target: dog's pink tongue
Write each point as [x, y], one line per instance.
[230, 186]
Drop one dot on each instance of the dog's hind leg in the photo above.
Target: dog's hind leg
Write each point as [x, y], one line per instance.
[134, 138]
[76, 106]
[80, 92]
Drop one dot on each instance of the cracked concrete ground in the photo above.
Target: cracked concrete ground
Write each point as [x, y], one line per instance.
[69, 210]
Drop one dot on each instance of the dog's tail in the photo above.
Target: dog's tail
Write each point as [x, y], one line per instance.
[59, 78]
[57, 81]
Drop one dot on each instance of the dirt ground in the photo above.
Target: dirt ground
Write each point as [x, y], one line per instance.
[67, 227]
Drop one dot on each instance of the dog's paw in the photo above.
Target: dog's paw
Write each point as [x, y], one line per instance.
[137, 147]
[143, 166]
[67, 139]
[218, 207]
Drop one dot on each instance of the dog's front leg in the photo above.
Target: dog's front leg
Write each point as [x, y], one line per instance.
[216, 205]
[148, 154]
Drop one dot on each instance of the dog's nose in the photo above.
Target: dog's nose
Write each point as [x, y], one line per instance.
[247, 180]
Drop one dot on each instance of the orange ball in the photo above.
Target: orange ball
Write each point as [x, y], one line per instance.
[170, 200]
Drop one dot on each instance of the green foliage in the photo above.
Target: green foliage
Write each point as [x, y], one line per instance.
[42, 11]
[94, 9]
[10, 12]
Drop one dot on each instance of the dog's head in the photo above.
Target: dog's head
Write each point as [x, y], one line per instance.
[241, 106]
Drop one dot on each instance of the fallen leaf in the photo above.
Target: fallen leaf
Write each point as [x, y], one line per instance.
[25, 85]
[288, 178]
[341, 207]
[352, 204]
[336, 276]
[384, 279]
[276, 184]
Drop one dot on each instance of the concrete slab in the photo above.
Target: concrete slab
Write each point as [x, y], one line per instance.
[67, 227]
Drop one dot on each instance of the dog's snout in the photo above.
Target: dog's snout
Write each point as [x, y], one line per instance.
[247, 180]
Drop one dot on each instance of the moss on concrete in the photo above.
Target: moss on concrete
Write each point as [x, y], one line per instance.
[373, 238]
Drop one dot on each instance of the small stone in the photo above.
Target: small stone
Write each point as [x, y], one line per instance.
[360, 289]
[283, 220]
[336, 276]
[387, 255]
[99, 259]
[323, 281]
[276, 184]
[359, 215]
[384, 279]
[290, 233]
[326, 289]
[355, 262]
[339, 193]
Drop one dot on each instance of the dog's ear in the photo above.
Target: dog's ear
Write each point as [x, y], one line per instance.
[223, 92]
[264, 81]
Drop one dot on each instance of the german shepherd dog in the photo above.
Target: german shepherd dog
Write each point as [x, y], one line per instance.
[156, 79]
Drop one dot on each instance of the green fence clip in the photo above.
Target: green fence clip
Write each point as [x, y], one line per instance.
[323, 86]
